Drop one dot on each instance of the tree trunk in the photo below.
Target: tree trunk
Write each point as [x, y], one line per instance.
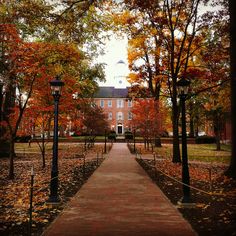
[7, 105]
[231, 171]
[42, 146]
[157, 141]
[43, 151]
[11, 158]
[196, 127]
[49, 128]
[217, 130]
[4, 146]
[218, 146]
[4, 143]
[191, 133]
[176, 151]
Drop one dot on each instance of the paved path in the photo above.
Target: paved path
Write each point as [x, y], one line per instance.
[119, 199]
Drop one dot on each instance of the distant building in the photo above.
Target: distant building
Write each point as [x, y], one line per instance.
[116, 106]
[114, 100]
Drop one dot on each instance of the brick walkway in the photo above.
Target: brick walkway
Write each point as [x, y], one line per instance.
[119, 199]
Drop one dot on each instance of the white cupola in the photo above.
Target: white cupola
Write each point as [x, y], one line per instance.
[121, 72]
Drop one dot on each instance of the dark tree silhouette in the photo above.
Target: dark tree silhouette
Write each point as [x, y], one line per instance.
[231, 172]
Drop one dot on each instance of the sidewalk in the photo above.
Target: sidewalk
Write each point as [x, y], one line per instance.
[119, 199]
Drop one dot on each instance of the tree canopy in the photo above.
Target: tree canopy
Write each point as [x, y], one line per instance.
[167, 40]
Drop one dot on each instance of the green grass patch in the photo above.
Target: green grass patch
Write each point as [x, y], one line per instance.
[200, 152]
[25, 148]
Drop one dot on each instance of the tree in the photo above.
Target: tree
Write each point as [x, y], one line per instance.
[174, 24]
[32, 65]
[209, 71]
[94, 119]
[216, 113]
[145, 114]
[144, 54]
[79, 22]
[36, 123]
[175, 32]
[8, 39]
[231, 172]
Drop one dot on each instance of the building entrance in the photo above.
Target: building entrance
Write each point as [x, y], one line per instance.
[119, 129]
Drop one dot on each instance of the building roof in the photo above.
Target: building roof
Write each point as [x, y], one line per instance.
[111, 92]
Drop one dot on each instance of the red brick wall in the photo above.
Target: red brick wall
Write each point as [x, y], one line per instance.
[114, 123]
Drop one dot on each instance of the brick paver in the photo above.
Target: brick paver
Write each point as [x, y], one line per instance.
[119, 199]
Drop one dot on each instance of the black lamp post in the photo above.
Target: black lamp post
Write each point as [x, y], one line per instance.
[1, 101]
[56, 87]
[183, 86]
[1, 95]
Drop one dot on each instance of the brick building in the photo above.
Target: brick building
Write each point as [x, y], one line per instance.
[117, 107]
[112, 97]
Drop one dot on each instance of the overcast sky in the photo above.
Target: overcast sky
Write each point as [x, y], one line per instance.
[115, 50]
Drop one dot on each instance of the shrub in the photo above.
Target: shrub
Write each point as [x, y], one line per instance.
[164, 134]
[112, 135]
[128, 135]
[76, 134]
[23, 139]
[205, 139]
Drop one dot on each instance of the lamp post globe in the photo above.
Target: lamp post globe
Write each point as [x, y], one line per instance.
[56, 87]
[183, 87]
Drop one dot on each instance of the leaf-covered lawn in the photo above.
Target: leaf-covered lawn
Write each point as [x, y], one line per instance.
[14, 194]
[212, 192]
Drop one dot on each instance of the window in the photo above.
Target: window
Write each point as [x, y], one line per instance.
[129, 115]
[119, 115]
[129, 103]
[120, 103]
[109, 103]
[101, 103]
[110, 116]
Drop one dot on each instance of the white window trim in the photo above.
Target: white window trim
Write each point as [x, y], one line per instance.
[101, 103]
[130, 115]
[130, 103]
[109, 103]
[109, 115]
[120, 115]
[120, 103]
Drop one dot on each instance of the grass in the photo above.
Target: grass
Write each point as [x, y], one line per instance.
[200, 152]
[25, 148]
[196, 152]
